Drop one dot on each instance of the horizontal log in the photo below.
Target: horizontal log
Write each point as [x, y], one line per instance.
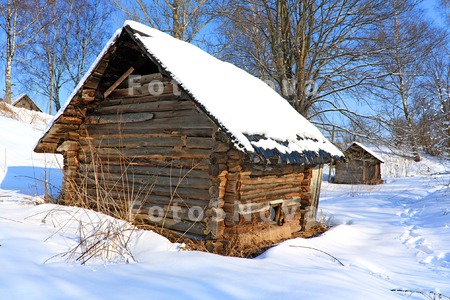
[119, 101]
[131, 188]
[149, 77]
[101, 130]
[133, 142]
[148, 160]
[276, 170]
[144, 181]
[274, 189]
[62, 128]
[139, 199]
[150, 106]
[168, 170]
[270, 179]
[268, 194]
[173, 212]
[116, 154]
[67, 119]
[199, 142]
[158, 125]
[193, 228]
[46, 147]
[119, 118]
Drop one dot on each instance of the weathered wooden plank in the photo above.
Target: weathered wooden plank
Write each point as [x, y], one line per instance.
[197, 228]
[115, 153]
[174, 168]
[140, 99]
[155, 106]
[265, 194]
[107, 129]
[155, 87]
[138, 197]
[143, 79]
[144, 181]
[64, 119]
[133, 142]
[118, 81]
[199, 142]
[119, 118]
[294, 178]
[188, 172]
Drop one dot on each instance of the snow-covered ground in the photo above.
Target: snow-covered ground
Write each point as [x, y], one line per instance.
[394, 236]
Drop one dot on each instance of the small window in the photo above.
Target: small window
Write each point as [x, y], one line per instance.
[276, 214]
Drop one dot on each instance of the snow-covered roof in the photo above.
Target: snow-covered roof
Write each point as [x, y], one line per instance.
[17, 98]
[252, 112]
[255, 116]
[368, 150]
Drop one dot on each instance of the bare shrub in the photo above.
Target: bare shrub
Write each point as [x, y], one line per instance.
[99, 237]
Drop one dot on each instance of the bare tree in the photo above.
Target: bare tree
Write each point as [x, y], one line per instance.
[407, 41]
[89, 29]
[58, 57]
[19, 21]
[444, 5]
[183, 19]
[43, 66]
[311, 51]
[434, 122]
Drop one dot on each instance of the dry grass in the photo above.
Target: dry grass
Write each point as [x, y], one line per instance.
[6, 111]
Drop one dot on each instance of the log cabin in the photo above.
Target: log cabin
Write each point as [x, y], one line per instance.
[24, 101]
[361, 166]
[188, 142]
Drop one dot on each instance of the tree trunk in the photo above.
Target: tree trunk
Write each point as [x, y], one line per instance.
[8, 84]
[410, 126]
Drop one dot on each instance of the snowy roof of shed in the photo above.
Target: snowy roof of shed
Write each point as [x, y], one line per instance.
[17, 98]
[368, 150]
[21, 97]
[255, 116]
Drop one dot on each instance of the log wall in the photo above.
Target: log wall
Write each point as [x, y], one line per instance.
[358, 171]
[150, 152]
[249, 189]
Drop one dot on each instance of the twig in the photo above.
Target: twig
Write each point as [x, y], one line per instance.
[312, 248]
[432, 295]
[10, 220]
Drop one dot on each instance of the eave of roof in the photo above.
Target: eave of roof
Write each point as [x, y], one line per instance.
[375, 155]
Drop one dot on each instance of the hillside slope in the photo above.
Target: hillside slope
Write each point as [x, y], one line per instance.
[20, 168]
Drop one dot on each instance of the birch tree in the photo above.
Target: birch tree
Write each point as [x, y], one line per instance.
[407, 42]
[434, 122]
[60, 55]
[19, 21]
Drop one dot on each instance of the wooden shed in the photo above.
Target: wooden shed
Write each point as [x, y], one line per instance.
[361, 166]
[24, 101]
[187, 142]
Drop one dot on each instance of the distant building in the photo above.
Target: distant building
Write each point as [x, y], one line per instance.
[23, 101]
[361, 166]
